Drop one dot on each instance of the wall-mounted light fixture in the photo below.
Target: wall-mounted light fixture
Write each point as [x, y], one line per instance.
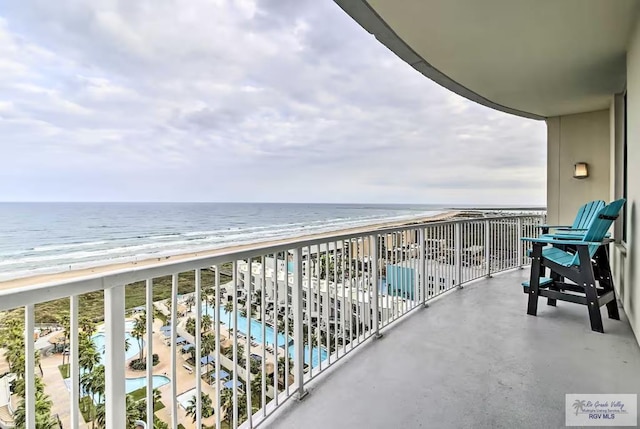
[581, 170]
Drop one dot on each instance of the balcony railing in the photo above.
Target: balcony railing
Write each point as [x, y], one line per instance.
[270, 318]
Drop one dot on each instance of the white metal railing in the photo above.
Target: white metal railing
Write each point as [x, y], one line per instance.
[287, 313]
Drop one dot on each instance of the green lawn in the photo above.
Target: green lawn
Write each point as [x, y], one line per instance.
[87, 408]
[139, 393]
[64, 370]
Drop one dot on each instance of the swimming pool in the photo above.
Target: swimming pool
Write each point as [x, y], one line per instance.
[132, 384]
[128, 326]
[318, 354]
[134, 348]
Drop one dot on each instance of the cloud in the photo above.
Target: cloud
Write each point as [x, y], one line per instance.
[220, 100]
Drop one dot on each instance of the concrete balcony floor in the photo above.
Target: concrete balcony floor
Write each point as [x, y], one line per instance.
[473, 359]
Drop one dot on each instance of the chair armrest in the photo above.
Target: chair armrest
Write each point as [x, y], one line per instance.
[551, 240]
[553, 226]
[568, 235]
[573, 229]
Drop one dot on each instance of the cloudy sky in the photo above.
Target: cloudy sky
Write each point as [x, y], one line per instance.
[278, 100]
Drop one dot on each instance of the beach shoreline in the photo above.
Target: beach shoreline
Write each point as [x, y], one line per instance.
[106, 269]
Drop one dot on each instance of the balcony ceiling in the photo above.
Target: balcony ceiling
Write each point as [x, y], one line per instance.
[535, 58]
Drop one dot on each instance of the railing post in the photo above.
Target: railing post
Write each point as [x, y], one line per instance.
[422, 266]
[520, 244]
[298, 329]
[74, 367]
[115, 399]
[487, 246]
[174, 352]
[198, 338]
[458, 255]
[29, 367]
[149, 340]
[374, 293]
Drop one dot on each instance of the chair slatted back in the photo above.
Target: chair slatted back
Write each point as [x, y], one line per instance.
[599, 226]
[586, 213]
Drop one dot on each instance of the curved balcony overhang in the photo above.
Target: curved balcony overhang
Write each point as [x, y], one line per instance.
[530, 58]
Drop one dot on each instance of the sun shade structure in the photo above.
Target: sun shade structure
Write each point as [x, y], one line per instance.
[229, 384]
[223, 375]
[207, 360]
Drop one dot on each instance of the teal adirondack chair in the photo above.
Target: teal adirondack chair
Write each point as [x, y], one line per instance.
[586, 265]
[583, 219]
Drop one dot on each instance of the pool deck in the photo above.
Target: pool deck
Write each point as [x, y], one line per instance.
[57, 390]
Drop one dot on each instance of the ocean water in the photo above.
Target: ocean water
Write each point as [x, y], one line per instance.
[38, 238]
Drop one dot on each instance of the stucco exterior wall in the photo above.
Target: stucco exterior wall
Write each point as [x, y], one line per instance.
[630, 286]
[583, 137]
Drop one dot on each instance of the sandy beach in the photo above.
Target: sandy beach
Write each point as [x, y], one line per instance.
[111, 268]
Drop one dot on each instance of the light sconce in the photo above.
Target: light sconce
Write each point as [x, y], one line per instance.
[581, 170]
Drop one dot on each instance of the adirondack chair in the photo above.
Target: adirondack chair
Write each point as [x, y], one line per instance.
[577, 230]
[582, 221]
[586, 264]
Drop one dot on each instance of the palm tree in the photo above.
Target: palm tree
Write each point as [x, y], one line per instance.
[207, 291]
[228, 307]
[212, 302]
[258, 295]
[87, 326]
[206, 407]
[159, 424]
[190, 301]
[157, 396]
[139, 330]
[13, 337]
[101, 416]
[282, 369]
[66, 325]
[242, 407]
[93, 384]
[208, 345]
[133, 413]
[13, 354]
[226, 403]
[241, 356]
[99, 386]
[17, 362]
[44, 419]
[191, 326]
[19, 386]
[87, 381]
[256, 389]
[206, 323]
[326, 269]
[88, 356]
